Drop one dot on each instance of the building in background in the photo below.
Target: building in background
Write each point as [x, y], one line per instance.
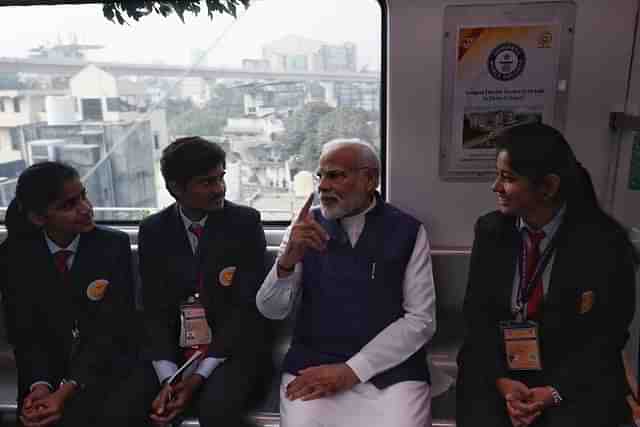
[20, 107]
[262, 170]
[196, 89]
[295, 53]
[357, 95]
[299, 54]
[63, 51]
[101, 125]
[256, 65]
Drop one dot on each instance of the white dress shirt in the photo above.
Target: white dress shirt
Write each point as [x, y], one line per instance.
[165, 368]
[400, 339]
[72, 247]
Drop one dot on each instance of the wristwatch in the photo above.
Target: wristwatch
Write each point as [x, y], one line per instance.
[69, 381]
[555, 395]
[287, 269]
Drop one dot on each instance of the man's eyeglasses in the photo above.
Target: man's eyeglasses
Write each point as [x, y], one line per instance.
[336, 175]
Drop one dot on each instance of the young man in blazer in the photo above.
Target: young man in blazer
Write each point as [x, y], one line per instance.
[205, 252]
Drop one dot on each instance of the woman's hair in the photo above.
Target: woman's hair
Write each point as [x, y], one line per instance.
[536, 150]
[38, 187]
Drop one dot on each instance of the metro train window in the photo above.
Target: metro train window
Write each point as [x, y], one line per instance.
[271, 87]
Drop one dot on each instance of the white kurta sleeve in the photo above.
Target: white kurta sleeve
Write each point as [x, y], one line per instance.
[277, 295]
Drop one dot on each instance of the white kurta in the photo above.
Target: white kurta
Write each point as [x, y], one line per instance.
[403, 404]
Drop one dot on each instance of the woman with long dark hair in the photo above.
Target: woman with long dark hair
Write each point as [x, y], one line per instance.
[550, 295]
[68, 299]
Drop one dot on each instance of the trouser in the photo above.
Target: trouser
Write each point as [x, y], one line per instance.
[404, 404]
[223, 398]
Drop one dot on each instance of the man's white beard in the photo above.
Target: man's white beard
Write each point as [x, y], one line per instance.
[332, 213]
[345, 206]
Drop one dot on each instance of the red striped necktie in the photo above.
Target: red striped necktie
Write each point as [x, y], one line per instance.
[533, 257]
[60, 258]
[197, 230]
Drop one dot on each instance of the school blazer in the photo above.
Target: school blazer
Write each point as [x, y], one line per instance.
[581, 342]
[8, 312]
[45, 309]
[233, 237]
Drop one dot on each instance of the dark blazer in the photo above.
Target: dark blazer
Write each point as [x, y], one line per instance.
[45, 309]
[7, 306]
[581, 352]
[233, 237]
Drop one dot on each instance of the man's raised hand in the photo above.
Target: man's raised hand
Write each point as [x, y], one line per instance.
[305, 233]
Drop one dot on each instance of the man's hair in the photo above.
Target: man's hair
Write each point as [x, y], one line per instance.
[367, 155]
[186, 158]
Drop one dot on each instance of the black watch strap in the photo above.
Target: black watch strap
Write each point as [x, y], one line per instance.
[287, 269]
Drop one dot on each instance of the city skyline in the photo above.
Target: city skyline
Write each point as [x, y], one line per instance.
[167, 40]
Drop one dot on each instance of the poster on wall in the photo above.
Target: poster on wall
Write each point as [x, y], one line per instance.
[498, 75]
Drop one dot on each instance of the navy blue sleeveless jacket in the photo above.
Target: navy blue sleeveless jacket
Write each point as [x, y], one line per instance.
[350, 294]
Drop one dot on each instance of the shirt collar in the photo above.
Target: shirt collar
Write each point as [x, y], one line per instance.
[551, 227]
[187, 222]
[53, 247]
[350, 220]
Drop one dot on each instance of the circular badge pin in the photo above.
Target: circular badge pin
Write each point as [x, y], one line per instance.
[226, 276]
[97, 289]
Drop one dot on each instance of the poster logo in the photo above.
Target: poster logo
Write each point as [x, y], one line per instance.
[506, 62]
[545, 40]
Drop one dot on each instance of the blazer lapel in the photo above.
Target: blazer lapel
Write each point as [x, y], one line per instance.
[561, 267]
[508, 249]
[214, 231]
[55, 291]
[84, 265]
[41, 251]
[178, 232]
[46, 278]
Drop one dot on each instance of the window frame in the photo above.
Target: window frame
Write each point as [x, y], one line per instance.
[271, 225]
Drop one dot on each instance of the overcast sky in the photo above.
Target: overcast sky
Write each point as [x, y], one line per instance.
[169, 40]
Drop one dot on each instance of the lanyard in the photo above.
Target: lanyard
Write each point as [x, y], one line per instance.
[199, 271]
[199, 266]
[525, 289]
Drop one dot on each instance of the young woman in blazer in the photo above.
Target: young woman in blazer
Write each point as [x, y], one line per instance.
[573, 294]
[69, 290]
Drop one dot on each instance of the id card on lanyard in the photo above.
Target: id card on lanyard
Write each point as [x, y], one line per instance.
[194, 328]
[521, 337]
[521, 345]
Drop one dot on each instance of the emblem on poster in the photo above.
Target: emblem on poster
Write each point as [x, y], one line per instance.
[506, 61]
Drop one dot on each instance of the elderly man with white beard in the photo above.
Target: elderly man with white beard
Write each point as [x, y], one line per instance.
[362, 271]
